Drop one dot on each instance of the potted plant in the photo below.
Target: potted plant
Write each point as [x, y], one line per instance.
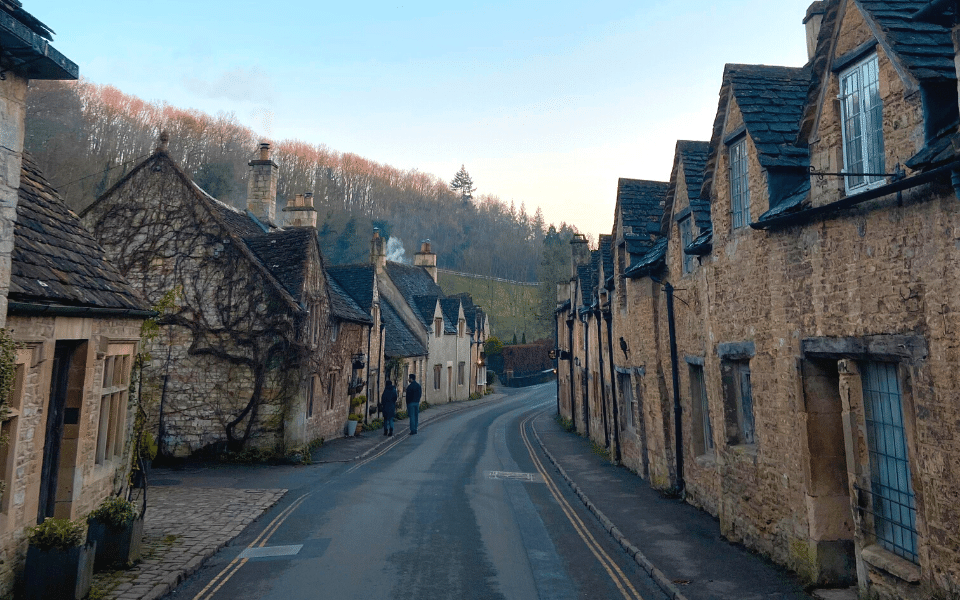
[352, 424]
[59, 564]
[117, 530]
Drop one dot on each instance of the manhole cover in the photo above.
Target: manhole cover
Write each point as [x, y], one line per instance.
[531, 477]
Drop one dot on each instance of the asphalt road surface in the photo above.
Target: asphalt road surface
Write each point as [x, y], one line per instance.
[467, 508]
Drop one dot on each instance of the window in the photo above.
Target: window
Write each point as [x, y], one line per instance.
[438, 327]
[113, 401]
[686, 238]
[462, 328]
[461, 368]
[311, 391]
[331, 389]
[894, 506]
[436, 376]
[738, 393]
[627, 402]
[334, 331]
[861, 113]
[702, 431]
[739, 188]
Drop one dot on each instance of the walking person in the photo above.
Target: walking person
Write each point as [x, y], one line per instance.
[414, 391]
[388, 405]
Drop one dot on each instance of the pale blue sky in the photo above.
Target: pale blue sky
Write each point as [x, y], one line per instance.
[546, 103]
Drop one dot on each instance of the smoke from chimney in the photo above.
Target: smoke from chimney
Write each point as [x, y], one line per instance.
[395, 251]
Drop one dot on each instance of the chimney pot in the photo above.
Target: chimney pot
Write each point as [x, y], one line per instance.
[308, 199]
[264, 151]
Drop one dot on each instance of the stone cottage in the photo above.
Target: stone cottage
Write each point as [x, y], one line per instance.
[786, 340]
[259, 347]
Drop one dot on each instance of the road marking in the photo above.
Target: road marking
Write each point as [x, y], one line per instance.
[619, 578]
[270, 551]
[234, 566]
[531, 477]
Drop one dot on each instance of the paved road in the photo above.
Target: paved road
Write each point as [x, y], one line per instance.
[467, 508]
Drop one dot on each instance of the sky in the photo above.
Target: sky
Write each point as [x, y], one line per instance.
[544, 103]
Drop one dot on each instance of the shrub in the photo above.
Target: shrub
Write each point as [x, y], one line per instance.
[401, 415]
[355, 418]
[61, 534]
[114, 512]
[358, 401]
[565, 423]
[475, 395]
[375, 424]
[424, 405]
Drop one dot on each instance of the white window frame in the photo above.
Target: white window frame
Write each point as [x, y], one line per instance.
[861, 109]
[739, 184]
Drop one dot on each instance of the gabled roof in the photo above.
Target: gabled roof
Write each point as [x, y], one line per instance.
[692, 157]
[55, 261]
[451, 314]
[471, 312]
[412, 281]
[651, 262]
[344, 307]
[283, 253]
[425, 308]
[923, 46]
[398, 340]
[587, 278]
[356, 280]
[606, 253]
[640, 205]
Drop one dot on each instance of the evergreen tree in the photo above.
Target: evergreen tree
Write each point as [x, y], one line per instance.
[514, 343]
[462, 185]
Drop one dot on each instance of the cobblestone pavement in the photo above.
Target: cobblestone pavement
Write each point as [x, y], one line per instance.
[184, 527]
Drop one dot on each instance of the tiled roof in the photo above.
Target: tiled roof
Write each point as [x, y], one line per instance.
[606, 251]
[651, 262]
[587, 277]
[772, 100]
[640, 204]
[451, 314]
[425, 308]
[284, 254]
[343, 306]
[925, 48]
[54, 259]
[412, 281]
[398, 339]
[701, 245]
[471, 312]
[692, 158]
[356, 280]
[240, 222]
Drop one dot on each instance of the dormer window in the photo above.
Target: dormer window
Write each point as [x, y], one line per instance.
[861, 113]
[438, 327]
[739, 189]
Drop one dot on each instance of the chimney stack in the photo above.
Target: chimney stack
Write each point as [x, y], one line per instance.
[262, 186]
[378, 250]
[300, 212]
[426, 259]
[813, 20]
[579, 253]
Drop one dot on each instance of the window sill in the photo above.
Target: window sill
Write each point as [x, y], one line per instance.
[706, 460]
[879, 558]
[744, 450]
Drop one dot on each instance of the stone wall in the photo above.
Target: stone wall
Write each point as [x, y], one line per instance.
[13, 91]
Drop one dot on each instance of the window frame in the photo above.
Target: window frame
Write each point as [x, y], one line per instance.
[869, 119]
[740, 407]
[114, 397]
[437, 375]
[739, 180]
[700, 405]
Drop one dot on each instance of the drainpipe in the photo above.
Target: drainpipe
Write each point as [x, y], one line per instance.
[573, 402]
[366, 409]
[556, 344]
[586, 376]
[677, 425]
[380, 368]
[603, 387]
[608, 317]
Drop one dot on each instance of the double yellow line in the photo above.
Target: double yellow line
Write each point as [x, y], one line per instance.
[618, 577]
[261, 540]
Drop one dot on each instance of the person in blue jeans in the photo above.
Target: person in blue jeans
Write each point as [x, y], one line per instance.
[413, 392]
[388, 404]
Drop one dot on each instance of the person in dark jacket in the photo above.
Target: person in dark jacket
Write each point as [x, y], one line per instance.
[388, 404]
[414, 391]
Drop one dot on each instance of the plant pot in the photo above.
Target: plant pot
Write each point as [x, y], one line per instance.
[115, 547]
[58, 573]
[351, 428]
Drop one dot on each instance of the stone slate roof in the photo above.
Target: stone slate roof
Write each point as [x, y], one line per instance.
[471, 312]
[772, 100]
[343, 306]
[701, 245]
[356, 280]
[640, 205]
[587, 277]
[412, 281]
[283, 254]
[451, 314]
[606, 253]
[55, 261]
[922, 45]
[425, 308]
[651, 262]
[692, 157]
[398, 339]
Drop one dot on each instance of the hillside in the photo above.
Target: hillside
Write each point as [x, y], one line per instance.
[512, 307]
